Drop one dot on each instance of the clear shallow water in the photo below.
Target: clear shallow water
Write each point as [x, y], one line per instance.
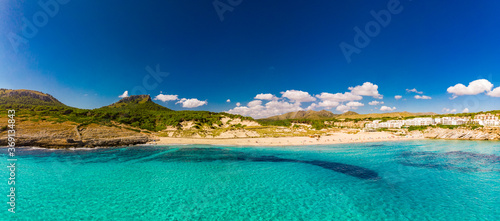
[416, 180]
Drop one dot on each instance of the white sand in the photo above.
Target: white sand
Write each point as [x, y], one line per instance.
[292, 141]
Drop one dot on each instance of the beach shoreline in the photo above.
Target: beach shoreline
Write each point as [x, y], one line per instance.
[335, 138]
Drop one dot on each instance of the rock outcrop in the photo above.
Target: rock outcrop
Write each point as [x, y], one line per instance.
[66, 135]
[463, 134]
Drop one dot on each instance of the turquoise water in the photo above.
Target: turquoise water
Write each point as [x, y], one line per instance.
[415, 180]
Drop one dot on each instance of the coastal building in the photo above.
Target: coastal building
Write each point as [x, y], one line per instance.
[387, 124]
[438, 120]
[454, 120]
[487, 120]
[487, 116]
[392, 124]
[373, 125]
[491, 123]
[419, 121]
[350, 124]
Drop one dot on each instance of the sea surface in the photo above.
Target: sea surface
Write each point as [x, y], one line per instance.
[408, 180]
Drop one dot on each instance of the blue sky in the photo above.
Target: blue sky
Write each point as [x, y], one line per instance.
[87, 53]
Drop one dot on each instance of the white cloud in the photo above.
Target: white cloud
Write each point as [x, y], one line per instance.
[414, 90]
[375, 102]
[256, 110]
[447, 110]
[191, 103]
[265, 97]
[228, 101]
[465, 110]
[125, 94]
[298, 96]
[312, 106]
[166, 97]
[281, 107]
[343, 108]
[397, 97]
[328, 104]
[254, 103]
[386, 108]
[423, 97]
[339, 97]
[367, 89]
[351, 105]
[495, 92]
[354, 104]
[474, 87]
[238, 104]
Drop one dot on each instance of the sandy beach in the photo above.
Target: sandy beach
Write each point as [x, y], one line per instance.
[335, 138]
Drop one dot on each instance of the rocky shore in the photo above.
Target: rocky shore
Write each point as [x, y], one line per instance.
[67, 135]
[70, 143]
[463, 134]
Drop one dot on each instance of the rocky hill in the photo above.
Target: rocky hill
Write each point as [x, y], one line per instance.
[137, 102]
[26, 98]
[348, 113]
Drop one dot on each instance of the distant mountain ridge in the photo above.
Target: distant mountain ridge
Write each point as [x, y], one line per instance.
[25, 98]
[391, 114]
[310, 114]
[323, 115]
[349, 113]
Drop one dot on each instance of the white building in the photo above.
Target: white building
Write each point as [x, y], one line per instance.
[392, 124]
[487, 116]
[488, 120]
[454, 121]
[491, 123]
[438, 120]
[419, 121]
[388, 124]
[373, 124]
